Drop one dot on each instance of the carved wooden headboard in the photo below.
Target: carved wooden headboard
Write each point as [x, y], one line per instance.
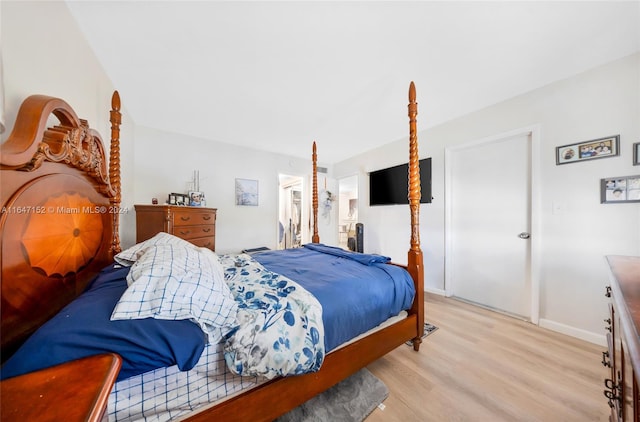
[60, 212]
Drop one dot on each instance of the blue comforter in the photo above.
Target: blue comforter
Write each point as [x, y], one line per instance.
[357, 291]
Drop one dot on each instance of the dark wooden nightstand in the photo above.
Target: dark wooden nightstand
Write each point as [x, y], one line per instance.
[73, 391]
[194, 224]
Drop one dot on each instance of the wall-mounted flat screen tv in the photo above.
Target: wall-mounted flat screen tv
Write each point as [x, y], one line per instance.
[390, 186]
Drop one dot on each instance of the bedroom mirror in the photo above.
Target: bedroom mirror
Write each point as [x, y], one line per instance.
[289, 212]
[347, 211]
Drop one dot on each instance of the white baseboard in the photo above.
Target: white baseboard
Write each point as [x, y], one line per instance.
[599, 339]
[439, 292]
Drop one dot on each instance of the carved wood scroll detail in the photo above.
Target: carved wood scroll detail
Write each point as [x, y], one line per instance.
[71, 142]
[79, 147]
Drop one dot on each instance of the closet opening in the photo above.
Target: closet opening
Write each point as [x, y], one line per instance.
[290, 212]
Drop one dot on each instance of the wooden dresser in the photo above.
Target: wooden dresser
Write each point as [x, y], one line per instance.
[623, 325]
[195, 224]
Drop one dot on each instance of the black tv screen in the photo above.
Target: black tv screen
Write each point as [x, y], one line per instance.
[390, 186]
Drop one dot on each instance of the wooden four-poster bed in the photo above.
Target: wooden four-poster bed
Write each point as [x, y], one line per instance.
[60, 229]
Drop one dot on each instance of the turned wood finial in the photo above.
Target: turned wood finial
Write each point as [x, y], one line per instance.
[314, 157]
[115, 101]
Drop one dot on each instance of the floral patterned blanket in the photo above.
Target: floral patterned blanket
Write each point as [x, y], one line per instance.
[280, 330]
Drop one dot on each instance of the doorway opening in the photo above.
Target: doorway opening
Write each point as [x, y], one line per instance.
[290, 212]
[347, 212]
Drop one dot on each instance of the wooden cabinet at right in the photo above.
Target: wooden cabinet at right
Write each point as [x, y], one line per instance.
[621, 357]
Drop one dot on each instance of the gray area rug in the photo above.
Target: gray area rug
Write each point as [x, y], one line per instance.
[351, 400]
[428, 329]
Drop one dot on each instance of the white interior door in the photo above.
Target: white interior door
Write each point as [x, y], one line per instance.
[490, 221]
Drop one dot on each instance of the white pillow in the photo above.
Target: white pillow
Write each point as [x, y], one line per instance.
[131, 255]
[170, 281]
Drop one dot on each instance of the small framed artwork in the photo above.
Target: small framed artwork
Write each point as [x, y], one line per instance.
[196, 199]
[636, 154]
[620, 189]
[588, 150]
[171, 200]
[246, 192]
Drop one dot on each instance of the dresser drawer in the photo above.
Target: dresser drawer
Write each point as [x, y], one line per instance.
[193, 224]
[191, 232]
[206, 242]
[191, 217]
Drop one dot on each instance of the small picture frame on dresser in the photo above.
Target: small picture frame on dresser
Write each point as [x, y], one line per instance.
[196, 199]
[179, 199]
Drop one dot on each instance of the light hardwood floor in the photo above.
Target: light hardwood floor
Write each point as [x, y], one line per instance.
[481, 366]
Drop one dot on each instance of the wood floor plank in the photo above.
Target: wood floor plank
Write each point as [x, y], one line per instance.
[481, 365]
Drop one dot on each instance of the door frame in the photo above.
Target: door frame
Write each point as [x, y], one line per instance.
[342, 206]
[536, 241]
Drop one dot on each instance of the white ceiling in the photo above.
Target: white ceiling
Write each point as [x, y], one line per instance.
[278, 75]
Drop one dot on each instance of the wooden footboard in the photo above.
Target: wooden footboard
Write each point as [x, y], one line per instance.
[272, 399]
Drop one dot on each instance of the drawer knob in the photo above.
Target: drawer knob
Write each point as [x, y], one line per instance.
[605, 362]
[207, 230]
[206, 217]
[185, 218]
[185, 232]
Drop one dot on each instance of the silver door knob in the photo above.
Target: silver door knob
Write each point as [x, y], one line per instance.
[524, 235]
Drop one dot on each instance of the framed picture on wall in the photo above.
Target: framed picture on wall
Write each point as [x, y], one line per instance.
[620, 189]
[246, 192]
[588, 150]
[636, 154]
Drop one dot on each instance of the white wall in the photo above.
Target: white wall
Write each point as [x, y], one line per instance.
[44, 52]
[601, 102]
[165, 163]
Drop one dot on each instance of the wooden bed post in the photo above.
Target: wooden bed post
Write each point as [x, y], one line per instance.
[114, 170]
[314, 157]
[415, 264]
